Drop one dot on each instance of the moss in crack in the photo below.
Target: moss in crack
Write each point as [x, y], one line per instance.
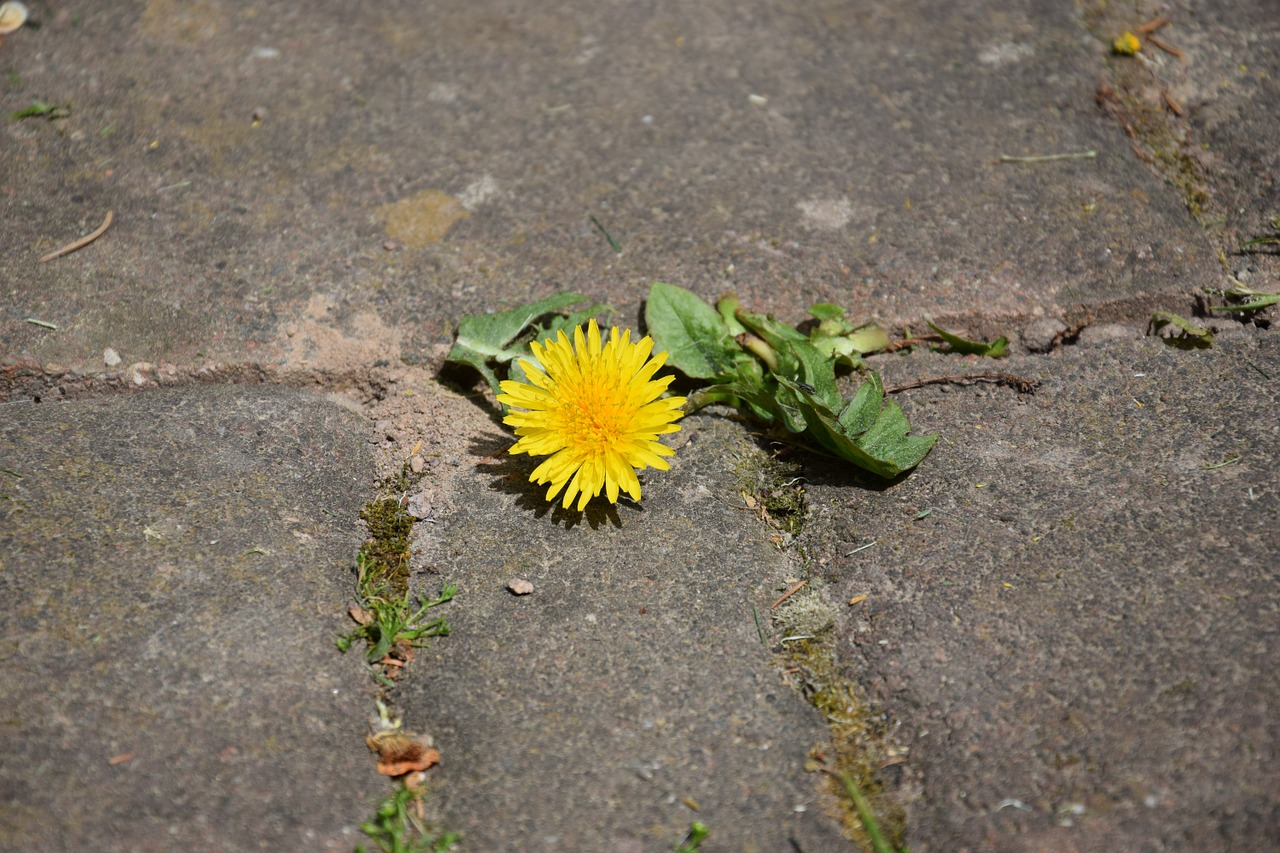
[773, 489]
[386, 551]
[856, 740]
[806, 642]
[392, 626]
[1132, 100]
[807, 614]
[402, 481]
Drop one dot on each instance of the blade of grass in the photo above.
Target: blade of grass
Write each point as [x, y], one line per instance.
[868, 818]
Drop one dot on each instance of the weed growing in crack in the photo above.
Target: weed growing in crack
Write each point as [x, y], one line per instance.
[774, 491]
[392, 625]
[395, 829]
[388, 622]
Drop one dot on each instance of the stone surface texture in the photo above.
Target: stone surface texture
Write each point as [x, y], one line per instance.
[1068, 636]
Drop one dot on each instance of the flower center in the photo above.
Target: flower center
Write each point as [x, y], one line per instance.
[594, 419]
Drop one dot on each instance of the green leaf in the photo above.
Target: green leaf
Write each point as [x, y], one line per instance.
[568, 322]
[826, 311]
[775, 332]
[763, 404]
[1190, 335]
[491, 337]
[41, 109]
[996, 349]
[728, 306]
[884, 449]
[838, 340]
[788, 398]
[817, 371]
[771, 344]
[864, 408]
[695, 337]
[1264, 300]
[693, 839]
[869, 338]
[888, 439]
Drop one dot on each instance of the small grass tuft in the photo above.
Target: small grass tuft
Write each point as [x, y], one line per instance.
[386, 619]
[867, 816]
[698, 832]
[396, 829]
[391, 624]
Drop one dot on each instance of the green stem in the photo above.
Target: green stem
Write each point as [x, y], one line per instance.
[728, 305]
[704, 397]
[761, 350]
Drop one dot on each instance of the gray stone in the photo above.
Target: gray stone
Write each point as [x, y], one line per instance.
[1085, 621]
[173, 578]
[1044, 334]
[585, 716]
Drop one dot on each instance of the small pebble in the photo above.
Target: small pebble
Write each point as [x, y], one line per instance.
[139, 372]
[391, 245]
[416, 464]
[110, 357]
[1042, 335]
[419, 506]
[520, 586]
[1102, 333]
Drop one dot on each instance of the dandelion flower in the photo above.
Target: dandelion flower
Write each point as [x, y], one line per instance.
[593, 408]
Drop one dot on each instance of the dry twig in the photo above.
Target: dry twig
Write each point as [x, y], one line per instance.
[82, 242]
[1167, 48]
[790, 592]
[1022, 384]
[1152, 25]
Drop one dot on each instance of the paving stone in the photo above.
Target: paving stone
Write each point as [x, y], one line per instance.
[174, 567]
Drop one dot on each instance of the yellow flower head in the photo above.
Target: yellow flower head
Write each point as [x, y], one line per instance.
[594, 409]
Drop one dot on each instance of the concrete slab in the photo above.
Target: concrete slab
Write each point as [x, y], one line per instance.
[270, 168]
[174, 567]
[630, 693]
[1078, 638]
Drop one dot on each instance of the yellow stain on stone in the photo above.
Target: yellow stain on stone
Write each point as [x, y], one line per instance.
[172, 20]
[422, 218]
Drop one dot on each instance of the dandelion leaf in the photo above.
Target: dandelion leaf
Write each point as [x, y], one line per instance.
[826, 311]
[493, 337]
[862, 411]
[1188, 336]
[1247, 299]
[995, 349]
[1265, 300]
[697, 342]
[818, 372]
[883, 448]
[837, 339]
